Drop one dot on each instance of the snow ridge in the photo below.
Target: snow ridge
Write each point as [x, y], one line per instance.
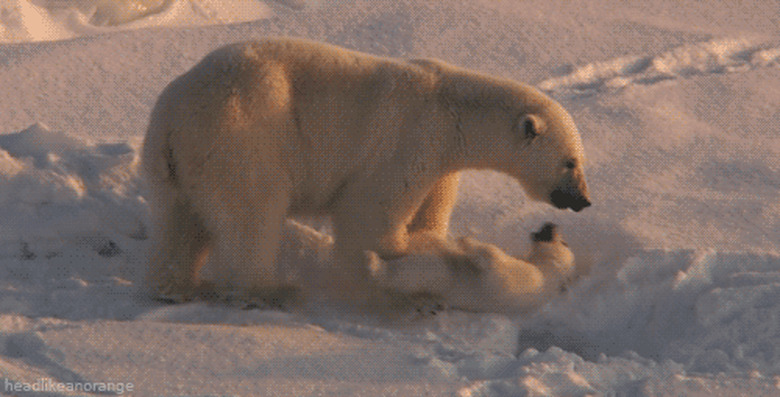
[713, 56]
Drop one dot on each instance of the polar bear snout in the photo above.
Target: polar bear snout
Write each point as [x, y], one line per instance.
[548, 233]
[575, 199]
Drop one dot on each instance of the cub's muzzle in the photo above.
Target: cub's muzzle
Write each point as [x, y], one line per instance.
[548, 233]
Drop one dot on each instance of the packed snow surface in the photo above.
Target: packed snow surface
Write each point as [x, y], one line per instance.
[677, 104]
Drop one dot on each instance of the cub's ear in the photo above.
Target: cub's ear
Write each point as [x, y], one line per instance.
[528, 127]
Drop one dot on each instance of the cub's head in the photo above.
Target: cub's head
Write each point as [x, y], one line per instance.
[552, 255]
[547, 234]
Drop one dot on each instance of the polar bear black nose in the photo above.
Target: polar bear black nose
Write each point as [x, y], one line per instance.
[547, 233]
[567, 199]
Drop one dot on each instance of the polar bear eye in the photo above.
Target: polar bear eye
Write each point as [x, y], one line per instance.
[570, 164]
[528, 128]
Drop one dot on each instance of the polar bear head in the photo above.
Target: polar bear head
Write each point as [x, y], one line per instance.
[548, 159]
[514, 128]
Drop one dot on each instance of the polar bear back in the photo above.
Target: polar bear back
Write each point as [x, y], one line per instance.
[318, 111]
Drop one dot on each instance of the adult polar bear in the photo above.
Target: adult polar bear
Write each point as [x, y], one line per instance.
[261, 130]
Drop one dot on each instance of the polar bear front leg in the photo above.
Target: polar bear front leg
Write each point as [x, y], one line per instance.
[367, 219]
[433, 216]
[375, 212]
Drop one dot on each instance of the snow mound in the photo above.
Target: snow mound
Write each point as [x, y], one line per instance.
[701, 309]
[46, 20]
[53, 186]
[713, 56]
[73, 207]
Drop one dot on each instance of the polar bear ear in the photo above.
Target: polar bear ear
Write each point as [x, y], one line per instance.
[529, 126]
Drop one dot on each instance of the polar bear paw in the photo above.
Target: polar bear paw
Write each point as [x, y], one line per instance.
[278, 298]
[171, 292]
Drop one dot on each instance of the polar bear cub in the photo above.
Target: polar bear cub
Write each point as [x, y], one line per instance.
[262, 130]
[477, 276]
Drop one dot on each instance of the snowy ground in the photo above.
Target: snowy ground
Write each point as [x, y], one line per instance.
[678, 108]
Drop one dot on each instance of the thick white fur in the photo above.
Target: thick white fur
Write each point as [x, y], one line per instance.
[477, 276]
[261, 130]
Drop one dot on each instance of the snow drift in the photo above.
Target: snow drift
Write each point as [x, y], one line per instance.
[43, 20]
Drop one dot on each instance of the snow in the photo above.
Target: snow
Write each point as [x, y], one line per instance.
[677, 105]
[711, 56]
[43, 20]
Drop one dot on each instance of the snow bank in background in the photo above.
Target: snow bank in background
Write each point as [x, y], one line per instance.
[43, 20]
[21, 20]
[713, 56]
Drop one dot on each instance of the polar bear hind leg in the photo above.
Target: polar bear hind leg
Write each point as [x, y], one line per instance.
[246, 223]
[181, 245]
